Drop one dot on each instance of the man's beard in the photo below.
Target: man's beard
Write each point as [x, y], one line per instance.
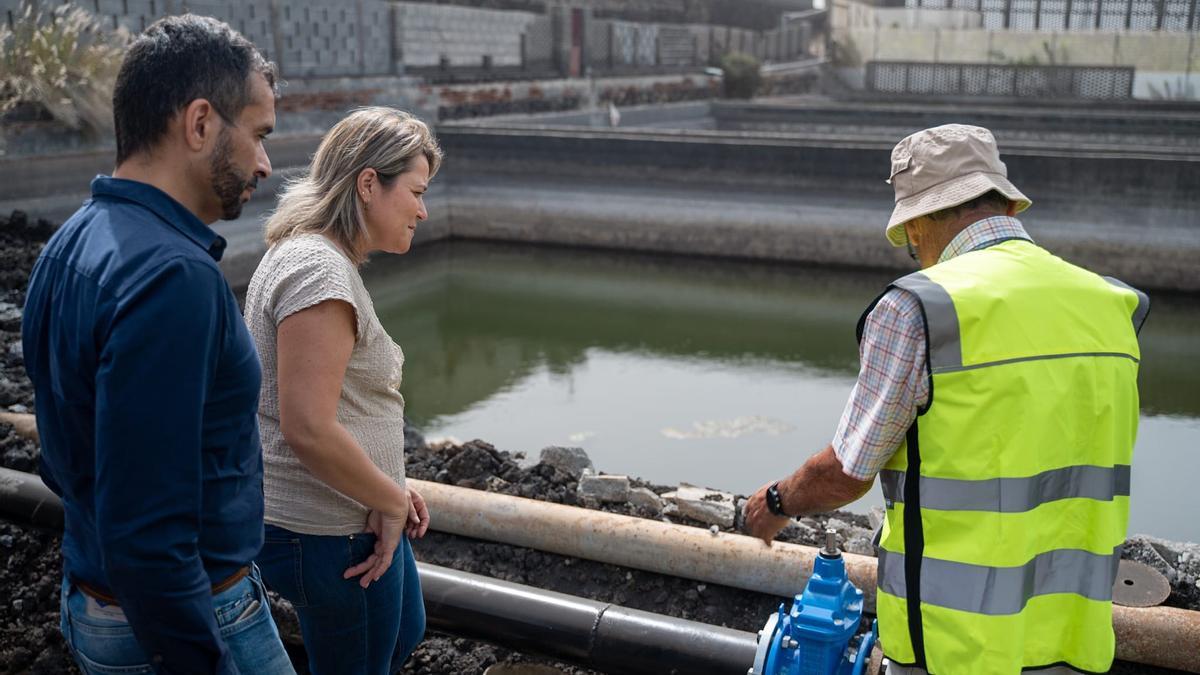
[227, 182]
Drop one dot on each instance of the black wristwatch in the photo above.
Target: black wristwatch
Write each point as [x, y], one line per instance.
[774, 501]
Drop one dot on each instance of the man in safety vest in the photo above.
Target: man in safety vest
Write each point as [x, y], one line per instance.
[997, 401]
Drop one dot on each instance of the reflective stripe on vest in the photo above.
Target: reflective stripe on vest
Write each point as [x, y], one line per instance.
[1008, 501]
[1013, 495]
[1004, 590]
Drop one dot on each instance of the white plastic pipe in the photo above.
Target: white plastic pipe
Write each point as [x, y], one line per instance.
[678, 550]
[1161, 636]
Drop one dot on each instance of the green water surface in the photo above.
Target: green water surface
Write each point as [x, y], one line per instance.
[719, 373]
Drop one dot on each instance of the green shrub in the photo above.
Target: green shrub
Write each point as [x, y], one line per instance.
[742, 77]
[64, 62]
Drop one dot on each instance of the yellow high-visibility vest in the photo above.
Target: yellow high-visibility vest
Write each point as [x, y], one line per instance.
[1008, 502]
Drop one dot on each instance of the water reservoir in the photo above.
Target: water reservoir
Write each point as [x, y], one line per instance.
[721, 373]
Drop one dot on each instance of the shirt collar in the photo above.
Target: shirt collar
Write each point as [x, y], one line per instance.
[165, 207]
[982, 234]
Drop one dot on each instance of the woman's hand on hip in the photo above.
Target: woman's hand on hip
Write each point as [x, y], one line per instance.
[418, 515]
[387, 529]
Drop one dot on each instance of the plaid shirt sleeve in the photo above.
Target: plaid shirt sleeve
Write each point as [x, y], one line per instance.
[891, 386]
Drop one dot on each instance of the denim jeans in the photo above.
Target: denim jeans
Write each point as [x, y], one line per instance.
[102, 641]
[347, 630]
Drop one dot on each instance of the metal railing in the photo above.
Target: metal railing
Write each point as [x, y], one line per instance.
[1061, 15]
[996, 80]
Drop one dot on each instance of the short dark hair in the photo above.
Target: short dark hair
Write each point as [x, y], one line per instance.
[992, 199]
[177, 60]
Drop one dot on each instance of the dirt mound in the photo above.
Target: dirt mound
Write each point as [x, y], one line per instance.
[21, 240]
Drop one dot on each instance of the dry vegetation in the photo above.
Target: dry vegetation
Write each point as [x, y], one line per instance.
[62, 61]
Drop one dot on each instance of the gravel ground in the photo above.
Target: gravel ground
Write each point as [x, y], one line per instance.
[30, 566]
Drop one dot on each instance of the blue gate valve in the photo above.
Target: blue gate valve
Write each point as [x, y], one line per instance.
[819, 635]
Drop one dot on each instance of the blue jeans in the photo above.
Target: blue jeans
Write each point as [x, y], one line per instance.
[102, 642]
[348, 630]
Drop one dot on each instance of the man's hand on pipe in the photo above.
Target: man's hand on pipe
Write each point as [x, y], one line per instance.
[758, 519]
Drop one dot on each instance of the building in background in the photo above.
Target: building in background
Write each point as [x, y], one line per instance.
[445, 60]
[1064, 49]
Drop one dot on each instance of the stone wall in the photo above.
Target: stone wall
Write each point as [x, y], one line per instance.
[317, 38]
[306, 38]
[450, 43]
[463, 36]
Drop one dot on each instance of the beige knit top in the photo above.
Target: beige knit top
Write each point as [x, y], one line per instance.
[295, 274]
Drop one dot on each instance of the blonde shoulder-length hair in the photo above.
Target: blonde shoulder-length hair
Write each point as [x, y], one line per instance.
[325, 201]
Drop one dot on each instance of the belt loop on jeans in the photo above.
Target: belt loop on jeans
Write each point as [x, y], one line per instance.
[219, 587]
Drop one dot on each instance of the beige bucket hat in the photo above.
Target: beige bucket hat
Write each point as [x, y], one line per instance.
[942, 167]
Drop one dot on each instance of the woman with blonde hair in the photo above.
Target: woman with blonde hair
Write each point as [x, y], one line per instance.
[330, 411]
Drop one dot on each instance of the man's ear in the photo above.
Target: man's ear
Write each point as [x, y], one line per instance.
[200, 124]
[913, 232]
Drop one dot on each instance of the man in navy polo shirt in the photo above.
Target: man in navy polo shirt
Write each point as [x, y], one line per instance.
[146, 379]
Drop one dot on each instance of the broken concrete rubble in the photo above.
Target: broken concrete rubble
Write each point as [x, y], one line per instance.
[571, 461]
[604, 488]
[707, 506]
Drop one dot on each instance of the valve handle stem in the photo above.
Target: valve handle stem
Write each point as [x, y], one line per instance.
[831, 548]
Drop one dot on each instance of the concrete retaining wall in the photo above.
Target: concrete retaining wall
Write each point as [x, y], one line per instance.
[1098, 178]
[54, 186]
[1132, 125]
[807, 200]
[1162, 126]
[812, 200]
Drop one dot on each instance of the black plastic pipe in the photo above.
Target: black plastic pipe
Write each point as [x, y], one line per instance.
[596, 634]
[26, 500]
[599, 635]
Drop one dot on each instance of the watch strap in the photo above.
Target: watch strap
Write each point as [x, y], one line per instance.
[774, 500]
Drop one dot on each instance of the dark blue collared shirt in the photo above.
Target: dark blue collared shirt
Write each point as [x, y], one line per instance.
[146, 384]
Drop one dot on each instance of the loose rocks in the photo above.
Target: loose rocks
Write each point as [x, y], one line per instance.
[645, 499]
[1178, 562]
[472, 466]
[604, 488]
[707, 506]
[571, 461]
